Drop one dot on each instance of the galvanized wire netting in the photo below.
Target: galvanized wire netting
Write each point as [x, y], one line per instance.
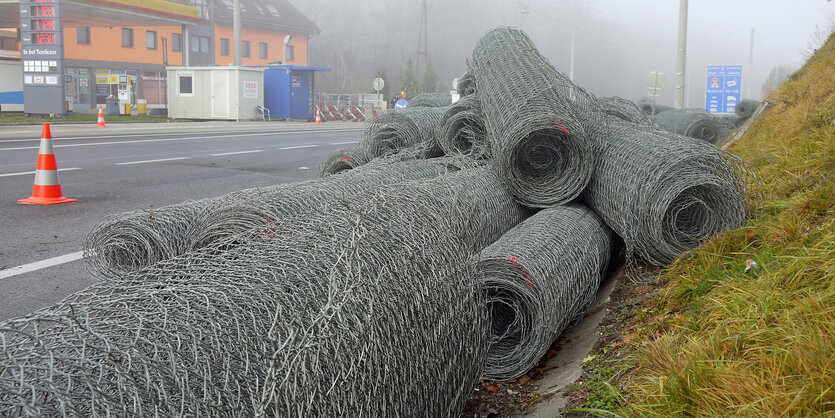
[664, 193]
[536, 119]
[404, 128]
[341, 160]
[651, 108]
[728, 123]
[625, 110]
[368, 307]
[540, 276]
[466, 84]
[276, 204]
[732, 121]
[695, 125]
[462, 129]
[431, 100]
[746, 108]
[126, 242]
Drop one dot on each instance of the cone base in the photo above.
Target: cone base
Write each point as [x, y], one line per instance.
[46, 200]
[101, 125]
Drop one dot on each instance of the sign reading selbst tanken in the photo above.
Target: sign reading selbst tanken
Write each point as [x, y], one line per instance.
[724, 87]
[42, 53]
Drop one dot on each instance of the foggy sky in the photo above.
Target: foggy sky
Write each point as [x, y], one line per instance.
[618, 41]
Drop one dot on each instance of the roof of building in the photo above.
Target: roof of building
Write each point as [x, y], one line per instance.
[267, 14]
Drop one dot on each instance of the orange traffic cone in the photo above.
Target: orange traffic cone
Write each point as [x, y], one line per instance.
[47, 189]
[318, 118]
[100, 122]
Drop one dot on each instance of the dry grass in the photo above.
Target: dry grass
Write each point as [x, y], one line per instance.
[760, 343]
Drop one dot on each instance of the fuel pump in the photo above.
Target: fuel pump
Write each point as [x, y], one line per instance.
[125, 93]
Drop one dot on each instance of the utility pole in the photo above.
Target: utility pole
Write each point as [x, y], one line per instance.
[750, 76]
[681, 62]
[236, 30]
[423, 38]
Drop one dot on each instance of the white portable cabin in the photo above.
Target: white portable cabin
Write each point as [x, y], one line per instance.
[226, 93]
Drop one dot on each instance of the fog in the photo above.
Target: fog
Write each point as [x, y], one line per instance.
[617, 41]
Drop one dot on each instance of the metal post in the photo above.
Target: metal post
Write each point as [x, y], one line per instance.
[678, 101]
[750, 76]
[236, 30]
[571, 63]
[185, 45]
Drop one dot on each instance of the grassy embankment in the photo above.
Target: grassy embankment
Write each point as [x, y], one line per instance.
[717, 341]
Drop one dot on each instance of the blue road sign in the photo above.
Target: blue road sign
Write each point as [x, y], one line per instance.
[401, 104]
[724, 88]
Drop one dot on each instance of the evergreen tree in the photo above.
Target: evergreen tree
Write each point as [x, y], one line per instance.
[430, 77]
[386, 90]
[411, 85]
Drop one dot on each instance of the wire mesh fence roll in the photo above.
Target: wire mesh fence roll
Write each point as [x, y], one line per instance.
[728, 122]
[664, 193]
[341, 160]
[463, 131]
[128, 241]
[625, 110]
[431, 100]
[368, 307]
[733, 120]
[745, 108]
[695, 125]
[651, 108]
[466, 84]
[275, 204]
[537, 141]
[397, 129]
[540, 276]
[122, 243]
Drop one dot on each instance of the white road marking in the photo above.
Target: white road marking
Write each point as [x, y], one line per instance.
[32, 172]
[259, 133]
[344, 142]
[153, 161]
[49, 262]
[299, 147]
[236, 152]
[304, 168]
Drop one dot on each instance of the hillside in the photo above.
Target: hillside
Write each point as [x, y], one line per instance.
[711, 339]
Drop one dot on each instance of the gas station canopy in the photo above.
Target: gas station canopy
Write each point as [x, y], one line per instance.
[111, 13]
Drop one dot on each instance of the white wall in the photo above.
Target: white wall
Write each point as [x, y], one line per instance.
[11, 80]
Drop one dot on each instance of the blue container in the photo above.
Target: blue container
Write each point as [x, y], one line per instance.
[288, 91]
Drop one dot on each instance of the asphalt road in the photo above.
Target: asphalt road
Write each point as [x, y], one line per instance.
[128, 167]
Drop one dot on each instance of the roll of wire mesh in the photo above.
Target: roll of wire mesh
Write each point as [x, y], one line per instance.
[745, 108]
[368, 307]
[397, 129]
[728, 123]
[275, 204]
[462, 129]
[624, 110]
[125, 242]
[431, 100]
[466, 84]
[341, 160]
[539, 277]
[732, 121]
[664, 193]
[533, 118]
[695, 125]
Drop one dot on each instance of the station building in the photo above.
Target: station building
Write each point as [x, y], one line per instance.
[122, 47]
